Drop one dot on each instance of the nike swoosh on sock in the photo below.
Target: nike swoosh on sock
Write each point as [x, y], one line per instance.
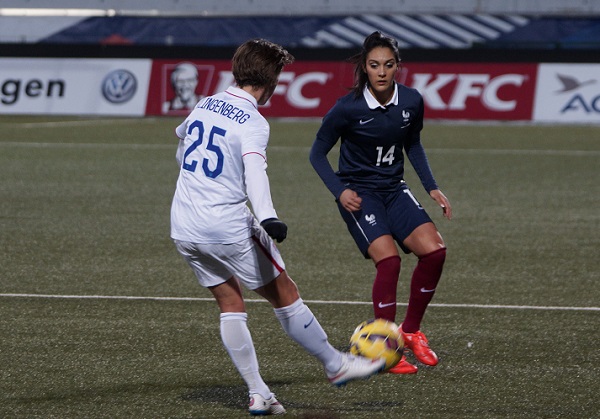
[309, 323]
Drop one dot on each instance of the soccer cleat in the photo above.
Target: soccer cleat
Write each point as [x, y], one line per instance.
[403, 367]
[418, 344]
[259, 406]
[355, 368]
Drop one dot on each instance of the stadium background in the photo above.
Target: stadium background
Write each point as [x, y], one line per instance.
[472, 60]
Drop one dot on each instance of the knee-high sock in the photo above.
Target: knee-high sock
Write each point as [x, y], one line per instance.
[384, 288]
[238, 343]
[424, 281]
[303, 327]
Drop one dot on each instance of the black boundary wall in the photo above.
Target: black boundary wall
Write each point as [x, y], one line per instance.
[308, 54]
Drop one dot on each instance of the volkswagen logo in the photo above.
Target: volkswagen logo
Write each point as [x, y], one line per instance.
[119, 86]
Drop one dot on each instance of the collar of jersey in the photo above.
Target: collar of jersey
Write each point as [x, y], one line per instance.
[237, 92]
[372, 103]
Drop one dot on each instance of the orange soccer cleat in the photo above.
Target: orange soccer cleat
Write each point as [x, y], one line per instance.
[418, 344]
[403, 367]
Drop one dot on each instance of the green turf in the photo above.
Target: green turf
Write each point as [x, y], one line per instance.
[84, 210]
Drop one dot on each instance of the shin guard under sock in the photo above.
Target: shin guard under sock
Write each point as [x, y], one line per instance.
[384, 288]
[238, 343]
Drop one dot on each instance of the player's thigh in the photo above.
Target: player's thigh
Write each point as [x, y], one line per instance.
[367, 224]
[382, 247]
[405, 215]
[229, 296]
[424, 239]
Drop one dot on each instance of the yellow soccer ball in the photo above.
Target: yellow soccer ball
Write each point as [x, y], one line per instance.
[378, 339]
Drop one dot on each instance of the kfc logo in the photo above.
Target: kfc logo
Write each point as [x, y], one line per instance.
[305, 89]
[474, 91]
[466, 86]
[292, 87]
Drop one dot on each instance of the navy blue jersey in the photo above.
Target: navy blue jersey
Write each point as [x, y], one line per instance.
[372, 143]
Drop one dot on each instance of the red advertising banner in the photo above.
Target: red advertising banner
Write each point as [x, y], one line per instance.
[306, 89]
[474, 91]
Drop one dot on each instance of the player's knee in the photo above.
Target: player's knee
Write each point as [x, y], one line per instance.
[280, 292]
[390, 266]
[435, 258]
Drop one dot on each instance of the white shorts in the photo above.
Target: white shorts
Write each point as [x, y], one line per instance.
[255, 261]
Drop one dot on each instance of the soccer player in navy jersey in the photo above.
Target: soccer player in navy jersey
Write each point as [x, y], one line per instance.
[376, 122]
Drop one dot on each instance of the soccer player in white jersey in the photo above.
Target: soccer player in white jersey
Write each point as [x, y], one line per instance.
[222, 156]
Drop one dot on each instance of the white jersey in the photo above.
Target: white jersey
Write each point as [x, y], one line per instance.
[222, 157]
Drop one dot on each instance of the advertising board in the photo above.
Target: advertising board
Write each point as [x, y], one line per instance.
[556, 93]
[305, 89]
[62, 86]
[309, 89]
[568, 93]
[474, 91]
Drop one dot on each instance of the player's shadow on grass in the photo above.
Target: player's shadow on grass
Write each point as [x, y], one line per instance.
[236, 397]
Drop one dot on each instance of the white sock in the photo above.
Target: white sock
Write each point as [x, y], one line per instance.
[302, 326]
[238, 342]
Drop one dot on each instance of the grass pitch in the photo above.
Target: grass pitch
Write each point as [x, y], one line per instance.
[100, 317]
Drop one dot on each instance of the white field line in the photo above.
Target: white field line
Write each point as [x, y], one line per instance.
[83, 123]
[314, 120]
[127, 146]
[129, 297]
[130, 146]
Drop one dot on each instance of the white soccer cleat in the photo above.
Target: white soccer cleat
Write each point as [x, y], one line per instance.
[259, 406]
[355, 368]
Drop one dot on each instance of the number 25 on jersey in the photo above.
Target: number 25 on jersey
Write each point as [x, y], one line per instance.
[210, 146]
